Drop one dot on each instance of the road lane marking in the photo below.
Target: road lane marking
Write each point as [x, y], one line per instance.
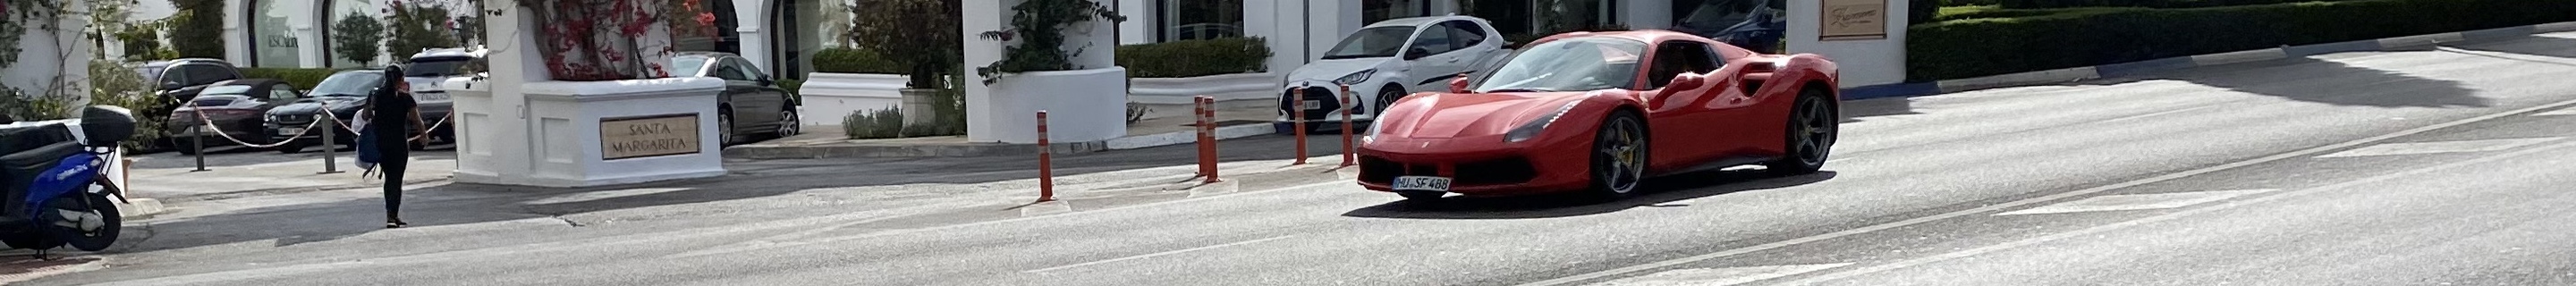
[2169, 216]
[1719, 276]
[2560, 112]
[1150, 255]
[2136, 202]
[2437, 147]
[2035, 200]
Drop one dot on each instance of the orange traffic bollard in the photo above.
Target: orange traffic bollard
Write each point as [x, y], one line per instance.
[1207, 135]
[1046, 162]
[1346, 126]
[1297, 114]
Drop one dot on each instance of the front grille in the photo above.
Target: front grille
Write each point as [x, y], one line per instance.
[1494, 172]
[1288, 101]
[1379, 170]
[292, 119]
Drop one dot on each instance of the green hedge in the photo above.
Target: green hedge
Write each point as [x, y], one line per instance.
[847, 60]
[2040, 4]
[1191, 58]
[302, 78]
[2096, 36]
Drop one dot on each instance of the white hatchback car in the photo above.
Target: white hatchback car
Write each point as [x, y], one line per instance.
[1385, 61]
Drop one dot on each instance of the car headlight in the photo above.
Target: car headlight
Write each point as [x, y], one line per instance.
[1356, 78]
[1531, 129]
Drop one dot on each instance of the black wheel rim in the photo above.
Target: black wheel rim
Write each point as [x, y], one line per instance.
[1620, 159]
[1814, 131]
[724, 128]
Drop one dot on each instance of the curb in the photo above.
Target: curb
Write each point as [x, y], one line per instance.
[2055, 76]
[760, 152]
[140, 209]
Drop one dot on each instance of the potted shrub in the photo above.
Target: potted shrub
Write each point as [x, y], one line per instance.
[1049, 55]
[920, 36]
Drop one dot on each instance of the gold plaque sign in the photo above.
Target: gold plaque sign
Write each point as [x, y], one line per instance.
[648, 136]
[1847, 20]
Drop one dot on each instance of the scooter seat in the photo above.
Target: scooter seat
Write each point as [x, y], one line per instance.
[22, 137]
[19, 170]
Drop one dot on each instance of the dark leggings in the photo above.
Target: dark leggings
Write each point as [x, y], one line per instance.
[394, 163]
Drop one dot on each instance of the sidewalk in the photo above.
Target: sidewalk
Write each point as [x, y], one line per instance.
[237, 172]
[1166, 126]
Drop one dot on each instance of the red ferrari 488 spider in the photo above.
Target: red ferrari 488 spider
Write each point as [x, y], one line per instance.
[1602, 111]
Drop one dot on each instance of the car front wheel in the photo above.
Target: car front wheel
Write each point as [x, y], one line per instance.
[1618, 156]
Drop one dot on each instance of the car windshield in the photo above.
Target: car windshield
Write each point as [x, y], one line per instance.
[687, 66]
[225, 89]
[357, 83]
[1568, 65]
[432, 67]
[1376, 42]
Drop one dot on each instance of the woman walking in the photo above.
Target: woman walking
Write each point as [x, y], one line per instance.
[392, 114]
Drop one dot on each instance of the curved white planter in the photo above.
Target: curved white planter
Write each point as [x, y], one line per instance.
[1224, 87]
[1081, 105]
[831, 96]
[559, 139]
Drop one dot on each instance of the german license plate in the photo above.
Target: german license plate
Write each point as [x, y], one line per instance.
[289, 131]
[1310, 104]
[1421, 183]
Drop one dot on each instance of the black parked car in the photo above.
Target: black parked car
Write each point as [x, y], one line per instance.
[181, 79]
[752, 104]
[236, 107]
[342, 95]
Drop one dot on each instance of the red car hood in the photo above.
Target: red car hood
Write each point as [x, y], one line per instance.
[1453, 115]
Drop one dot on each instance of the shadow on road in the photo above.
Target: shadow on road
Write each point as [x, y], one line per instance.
[234, 156]
[2538, 45]
[1859, 110]
[2330, 82]
[1659, 193]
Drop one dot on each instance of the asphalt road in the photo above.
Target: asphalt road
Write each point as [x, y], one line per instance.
[2399, 168]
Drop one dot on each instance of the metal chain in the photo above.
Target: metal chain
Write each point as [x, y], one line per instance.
[207, 123]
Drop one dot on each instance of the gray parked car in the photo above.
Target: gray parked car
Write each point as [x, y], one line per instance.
[753, 104]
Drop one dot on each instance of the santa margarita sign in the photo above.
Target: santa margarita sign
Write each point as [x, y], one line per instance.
[648, 136]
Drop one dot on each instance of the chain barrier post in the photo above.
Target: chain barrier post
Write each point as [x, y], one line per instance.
[197, 138]
[1346, 126]
[1046, 162]
[1207, 134]
[1297, 114]
[330, 153]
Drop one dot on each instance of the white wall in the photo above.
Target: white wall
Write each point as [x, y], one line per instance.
[1863, 62]
[43, 56]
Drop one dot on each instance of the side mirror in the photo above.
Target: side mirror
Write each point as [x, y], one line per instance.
[1459, 84]
[1416, 53]
[764, 81]
[1687, 81]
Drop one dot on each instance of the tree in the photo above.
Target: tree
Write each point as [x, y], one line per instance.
[358, 38]
[199, 29]
[921, 35]
[415, 26]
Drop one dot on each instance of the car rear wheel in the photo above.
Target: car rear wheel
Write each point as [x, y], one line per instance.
[724, 129]
[1812, 128]
[1619, 156]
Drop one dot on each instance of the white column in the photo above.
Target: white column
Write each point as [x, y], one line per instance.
[978, 17]
[751, 17]
[492, 133]
[1646, 14]
[236, 37]
[1328, 21]
[1270, 21]
[1141, 21]
[1864, 62]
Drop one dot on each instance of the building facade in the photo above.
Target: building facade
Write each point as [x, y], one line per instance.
[782, 36]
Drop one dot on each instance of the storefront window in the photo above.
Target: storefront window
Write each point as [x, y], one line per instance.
[1577, 15]
[688, 35]
[1511, 17]
[274, 40]
[1199, 19]
[1372, 11]
[1708, 17]
[343, 10]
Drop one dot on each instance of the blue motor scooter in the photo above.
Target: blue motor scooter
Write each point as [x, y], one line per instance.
[54, 188]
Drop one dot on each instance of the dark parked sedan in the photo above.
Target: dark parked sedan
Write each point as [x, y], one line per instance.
[752, 106]
[233, 108]
[342, 94]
